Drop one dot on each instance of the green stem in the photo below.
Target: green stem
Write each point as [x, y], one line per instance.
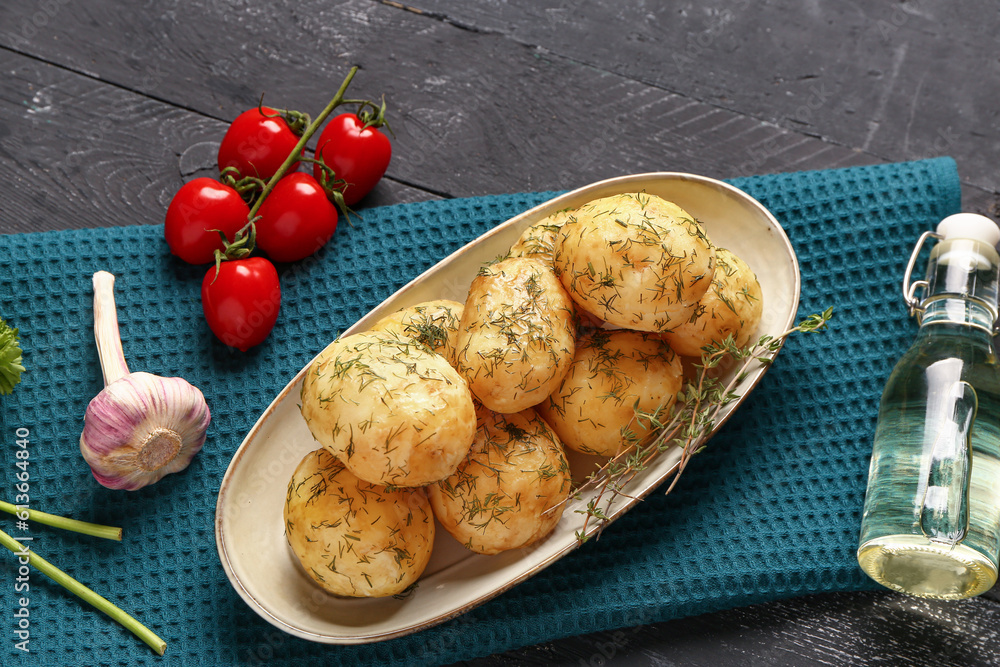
[84, 593]
[93, 529]
[337, 100]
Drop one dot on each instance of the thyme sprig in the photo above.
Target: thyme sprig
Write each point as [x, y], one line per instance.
[685, 424]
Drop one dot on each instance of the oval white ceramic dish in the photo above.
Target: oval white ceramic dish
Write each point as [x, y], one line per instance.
[249, 528]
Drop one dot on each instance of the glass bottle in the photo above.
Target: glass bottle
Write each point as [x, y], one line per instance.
[931, 522]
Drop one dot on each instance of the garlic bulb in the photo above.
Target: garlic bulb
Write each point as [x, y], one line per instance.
[141, 426]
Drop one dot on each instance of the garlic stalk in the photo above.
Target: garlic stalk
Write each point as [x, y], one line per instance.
[141, 426]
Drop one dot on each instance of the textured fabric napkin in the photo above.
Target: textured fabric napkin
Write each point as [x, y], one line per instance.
[769, 510]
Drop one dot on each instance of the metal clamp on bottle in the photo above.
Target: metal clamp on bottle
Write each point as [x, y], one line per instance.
[910, 289]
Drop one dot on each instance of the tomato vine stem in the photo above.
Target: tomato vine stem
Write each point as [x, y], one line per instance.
[293, 157]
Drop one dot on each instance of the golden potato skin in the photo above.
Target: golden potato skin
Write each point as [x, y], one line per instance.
[634, 260]
[394, 412]
[517, 334]
[515, 471]
[538, 241]
[353, 538]
[733, 305]
[593, 410]
[431, 323]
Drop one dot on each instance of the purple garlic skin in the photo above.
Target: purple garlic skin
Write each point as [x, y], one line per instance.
[142, 427]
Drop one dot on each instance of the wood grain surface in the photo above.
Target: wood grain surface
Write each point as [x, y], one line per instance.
[108, 106]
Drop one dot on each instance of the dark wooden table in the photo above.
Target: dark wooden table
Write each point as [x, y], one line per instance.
[107, 107]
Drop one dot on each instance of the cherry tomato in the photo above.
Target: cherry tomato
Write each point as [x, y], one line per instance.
[296, 219]
[200, 206]
[257, 143]
[357, 154]
[241, 303]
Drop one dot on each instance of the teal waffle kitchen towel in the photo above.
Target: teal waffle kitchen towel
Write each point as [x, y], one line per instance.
[769, 510]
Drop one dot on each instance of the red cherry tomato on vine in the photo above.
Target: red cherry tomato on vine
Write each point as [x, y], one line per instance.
[257, 143]
[241, 303]
[296, 219]
[357, 154]
[200, 206]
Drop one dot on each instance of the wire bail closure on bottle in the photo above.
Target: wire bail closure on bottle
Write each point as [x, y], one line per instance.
[910, 289]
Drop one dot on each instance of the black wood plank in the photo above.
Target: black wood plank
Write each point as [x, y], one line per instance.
[892, 79]
[78, 153]
[475, 113]
[833, 629]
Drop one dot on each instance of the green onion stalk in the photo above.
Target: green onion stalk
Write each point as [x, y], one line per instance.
[25, 555]
[92, 529]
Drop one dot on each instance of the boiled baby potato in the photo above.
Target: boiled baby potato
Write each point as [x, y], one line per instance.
[431, 323]
[733, 305]
[498, 498]
[516, 337]
[538, 240]
[634, 260]
[354, 538]
[616, 379]
[393, 411]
